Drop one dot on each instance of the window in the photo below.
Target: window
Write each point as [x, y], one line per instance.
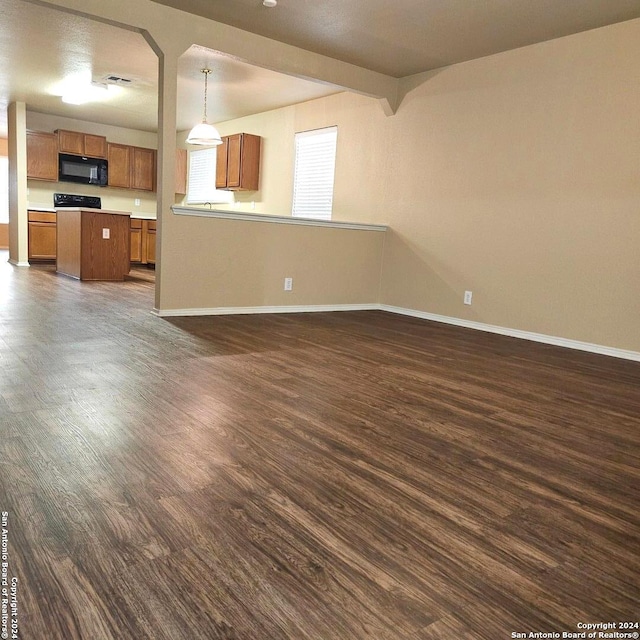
[202, 179]
[4, 189]
[314, 172]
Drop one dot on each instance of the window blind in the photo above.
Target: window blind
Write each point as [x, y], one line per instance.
[202, 178]
[314, 172]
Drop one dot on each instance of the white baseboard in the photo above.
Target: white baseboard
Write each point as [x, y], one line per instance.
[225, 311]
[517, 333]
[15, 263]
[459, 322]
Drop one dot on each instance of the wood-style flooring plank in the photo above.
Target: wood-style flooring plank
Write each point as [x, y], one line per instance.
[330, 476]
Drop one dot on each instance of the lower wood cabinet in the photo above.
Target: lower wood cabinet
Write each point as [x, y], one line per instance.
[143, 241]
[42, 236]
[151, 242]
[136, 240]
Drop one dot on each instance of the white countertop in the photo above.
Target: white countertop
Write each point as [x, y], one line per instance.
[134, 215]
[143, 216]
[90, 210]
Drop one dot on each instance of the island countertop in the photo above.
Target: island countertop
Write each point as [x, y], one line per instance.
[90, 210]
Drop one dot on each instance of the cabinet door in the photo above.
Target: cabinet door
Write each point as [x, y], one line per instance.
[42, 241]
[71, 142]
[234, 161]
[250, 162]
[42, 155]
[143, 169]
[151, 243]
[95, 146]
[221, 163]
[181, 171]
[136, 240]
[119, 159]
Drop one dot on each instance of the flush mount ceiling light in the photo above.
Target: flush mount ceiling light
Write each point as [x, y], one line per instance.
[79, 92]
[269, 3]
[204, 134]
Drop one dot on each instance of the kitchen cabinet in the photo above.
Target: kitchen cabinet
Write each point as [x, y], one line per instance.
[181, 171]
[238, 162]
[151, 242]
[41, 235]
[131, 167]
[119, 159]
[143, 241]
[92, 244]
[81, 144]
[42, 156]
[143, 169]
[136, 240]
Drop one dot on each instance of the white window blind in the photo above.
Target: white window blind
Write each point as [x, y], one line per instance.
[4, 189]
[202, 179]
[314, 172]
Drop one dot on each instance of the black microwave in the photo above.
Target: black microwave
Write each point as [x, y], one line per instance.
[82, 170]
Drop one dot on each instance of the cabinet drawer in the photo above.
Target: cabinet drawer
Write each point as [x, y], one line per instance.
[136, 223]
[41, 216]
[152, 225]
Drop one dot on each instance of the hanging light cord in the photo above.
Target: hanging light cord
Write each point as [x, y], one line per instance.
[206, 77]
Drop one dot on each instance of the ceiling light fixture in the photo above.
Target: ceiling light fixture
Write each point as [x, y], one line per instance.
[80, 92]
[204, 134]
[269, 3]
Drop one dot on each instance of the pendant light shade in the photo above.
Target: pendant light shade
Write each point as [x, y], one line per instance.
[204, 134]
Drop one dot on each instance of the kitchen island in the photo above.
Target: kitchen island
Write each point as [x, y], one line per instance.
[93, 244]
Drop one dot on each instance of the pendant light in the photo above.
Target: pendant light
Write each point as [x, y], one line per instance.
[204, 134]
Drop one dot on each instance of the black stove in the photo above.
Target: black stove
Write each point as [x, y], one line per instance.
[71, 200]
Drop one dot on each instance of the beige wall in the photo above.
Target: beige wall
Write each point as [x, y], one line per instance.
[235, 263]
[361, 179]
[4, 228]
[516, 176]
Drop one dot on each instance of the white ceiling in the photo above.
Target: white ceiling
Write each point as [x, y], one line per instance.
[40, 47]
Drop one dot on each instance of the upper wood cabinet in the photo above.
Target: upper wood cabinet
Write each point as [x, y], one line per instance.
[119, 159]
[42, 155]
[181, 171]
[143, 169]
[82, 144]
[131, 167]
[238, 162]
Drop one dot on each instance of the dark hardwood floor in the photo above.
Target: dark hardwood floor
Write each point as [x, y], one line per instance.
[339, 476]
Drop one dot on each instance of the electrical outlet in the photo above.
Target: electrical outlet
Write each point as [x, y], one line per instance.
[288, 284]
[106, 234]
[136, 202]
[467, 297]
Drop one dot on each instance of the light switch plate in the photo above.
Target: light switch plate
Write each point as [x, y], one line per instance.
[106, 234]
